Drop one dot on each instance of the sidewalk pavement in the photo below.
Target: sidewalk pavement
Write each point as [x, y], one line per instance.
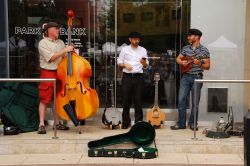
[176, 159]
[176, 148]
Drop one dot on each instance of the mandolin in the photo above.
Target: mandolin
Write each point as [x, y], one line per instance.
[155, 116]
[190, 60]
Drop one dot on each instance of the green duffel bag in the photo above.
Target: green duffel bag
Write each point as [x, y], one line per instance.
[22, 110]
[7, 93]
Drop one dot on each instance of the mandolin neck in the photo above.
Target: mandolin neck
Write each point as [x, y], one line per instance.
[156, 95]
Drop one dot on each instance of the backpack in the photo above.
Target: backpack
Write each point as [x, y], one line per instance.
[19, 106]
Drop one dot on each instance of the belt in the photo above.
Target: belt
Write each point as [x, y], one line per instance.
[196, 74]
[48, 69]
[132, 74]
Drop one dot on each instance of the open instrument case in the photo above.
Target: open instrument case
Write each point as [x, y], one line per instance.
[141, 134]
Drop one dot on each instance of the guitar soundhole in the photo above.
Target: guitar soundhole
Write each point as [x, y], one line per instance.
[156, 113]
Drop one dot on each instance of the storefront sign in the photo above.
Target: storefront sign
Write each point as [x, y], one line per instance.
[75, 31]
[38, 31]
[28, 30]
[76, 42]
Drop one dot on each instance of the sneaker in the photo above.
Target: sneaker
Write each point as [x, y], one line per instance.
[177, 127]
[41, 130]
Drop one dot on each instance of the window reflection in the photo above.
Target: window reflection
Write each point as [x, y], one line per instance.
[158, 21]
[3, 65]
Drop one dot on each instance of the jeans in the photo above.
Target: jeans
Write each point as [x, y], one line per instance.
[187, 85]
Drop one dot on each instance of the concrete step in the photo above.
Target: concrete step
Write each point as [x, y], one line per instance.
[167, 141]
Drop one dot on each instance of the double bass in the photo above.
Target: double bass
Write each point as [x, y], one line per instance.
[73, 73]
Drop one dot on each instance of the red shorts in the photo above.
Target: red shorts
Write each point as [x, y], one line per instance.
[46, 89]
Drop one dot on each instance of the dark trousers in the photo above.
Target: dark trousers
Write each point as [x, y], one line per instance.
[132, 88]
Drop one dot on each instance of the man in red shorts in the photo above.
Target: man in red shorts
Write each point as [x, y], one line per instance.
[51, 51]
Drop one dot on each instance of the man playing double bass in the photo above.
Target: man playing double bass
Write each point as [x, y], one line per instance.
[51, 51]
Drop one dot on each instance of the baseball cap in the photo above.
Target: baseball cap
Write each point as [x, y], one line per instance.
[49, 25]
[195, 32]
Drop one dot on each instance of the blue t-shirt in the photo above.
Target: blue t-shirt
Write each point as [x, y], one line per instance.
[197, 52]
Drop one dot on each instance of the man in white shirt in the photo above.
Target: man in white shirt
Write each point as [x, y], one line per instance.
[132, 59]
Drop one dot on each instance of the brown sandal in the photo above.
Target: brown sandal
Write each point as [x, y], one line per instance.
[61, 127]
[41, 130]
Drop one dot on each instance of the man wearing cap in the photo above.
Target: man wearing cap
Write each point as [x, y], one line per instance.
[132, 59]
[198, 65]
[51, 51]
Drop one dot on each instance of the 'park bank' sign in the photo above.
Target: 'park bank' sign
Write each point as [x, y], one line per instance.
[38, 31]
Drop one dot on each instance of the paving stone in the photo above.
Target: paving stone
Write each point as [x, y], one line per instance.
[105, 160]
[12, 159]
[215, 159]
[167, 158]
[52, 159]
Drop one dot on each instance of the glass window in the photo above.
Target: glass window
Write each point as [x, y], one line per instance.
[129, 17]
[3, 64]
[161, 22]
[25, 22]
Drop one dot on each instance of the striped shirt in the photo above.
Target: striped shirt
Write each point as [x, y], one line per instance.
[197, 52]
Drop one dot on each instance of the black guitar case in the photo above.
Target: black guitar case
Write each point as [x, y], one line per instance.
[142, 134]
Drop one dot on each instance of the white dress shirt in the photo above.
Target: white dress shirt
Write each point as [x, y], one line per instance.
[132, 56]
